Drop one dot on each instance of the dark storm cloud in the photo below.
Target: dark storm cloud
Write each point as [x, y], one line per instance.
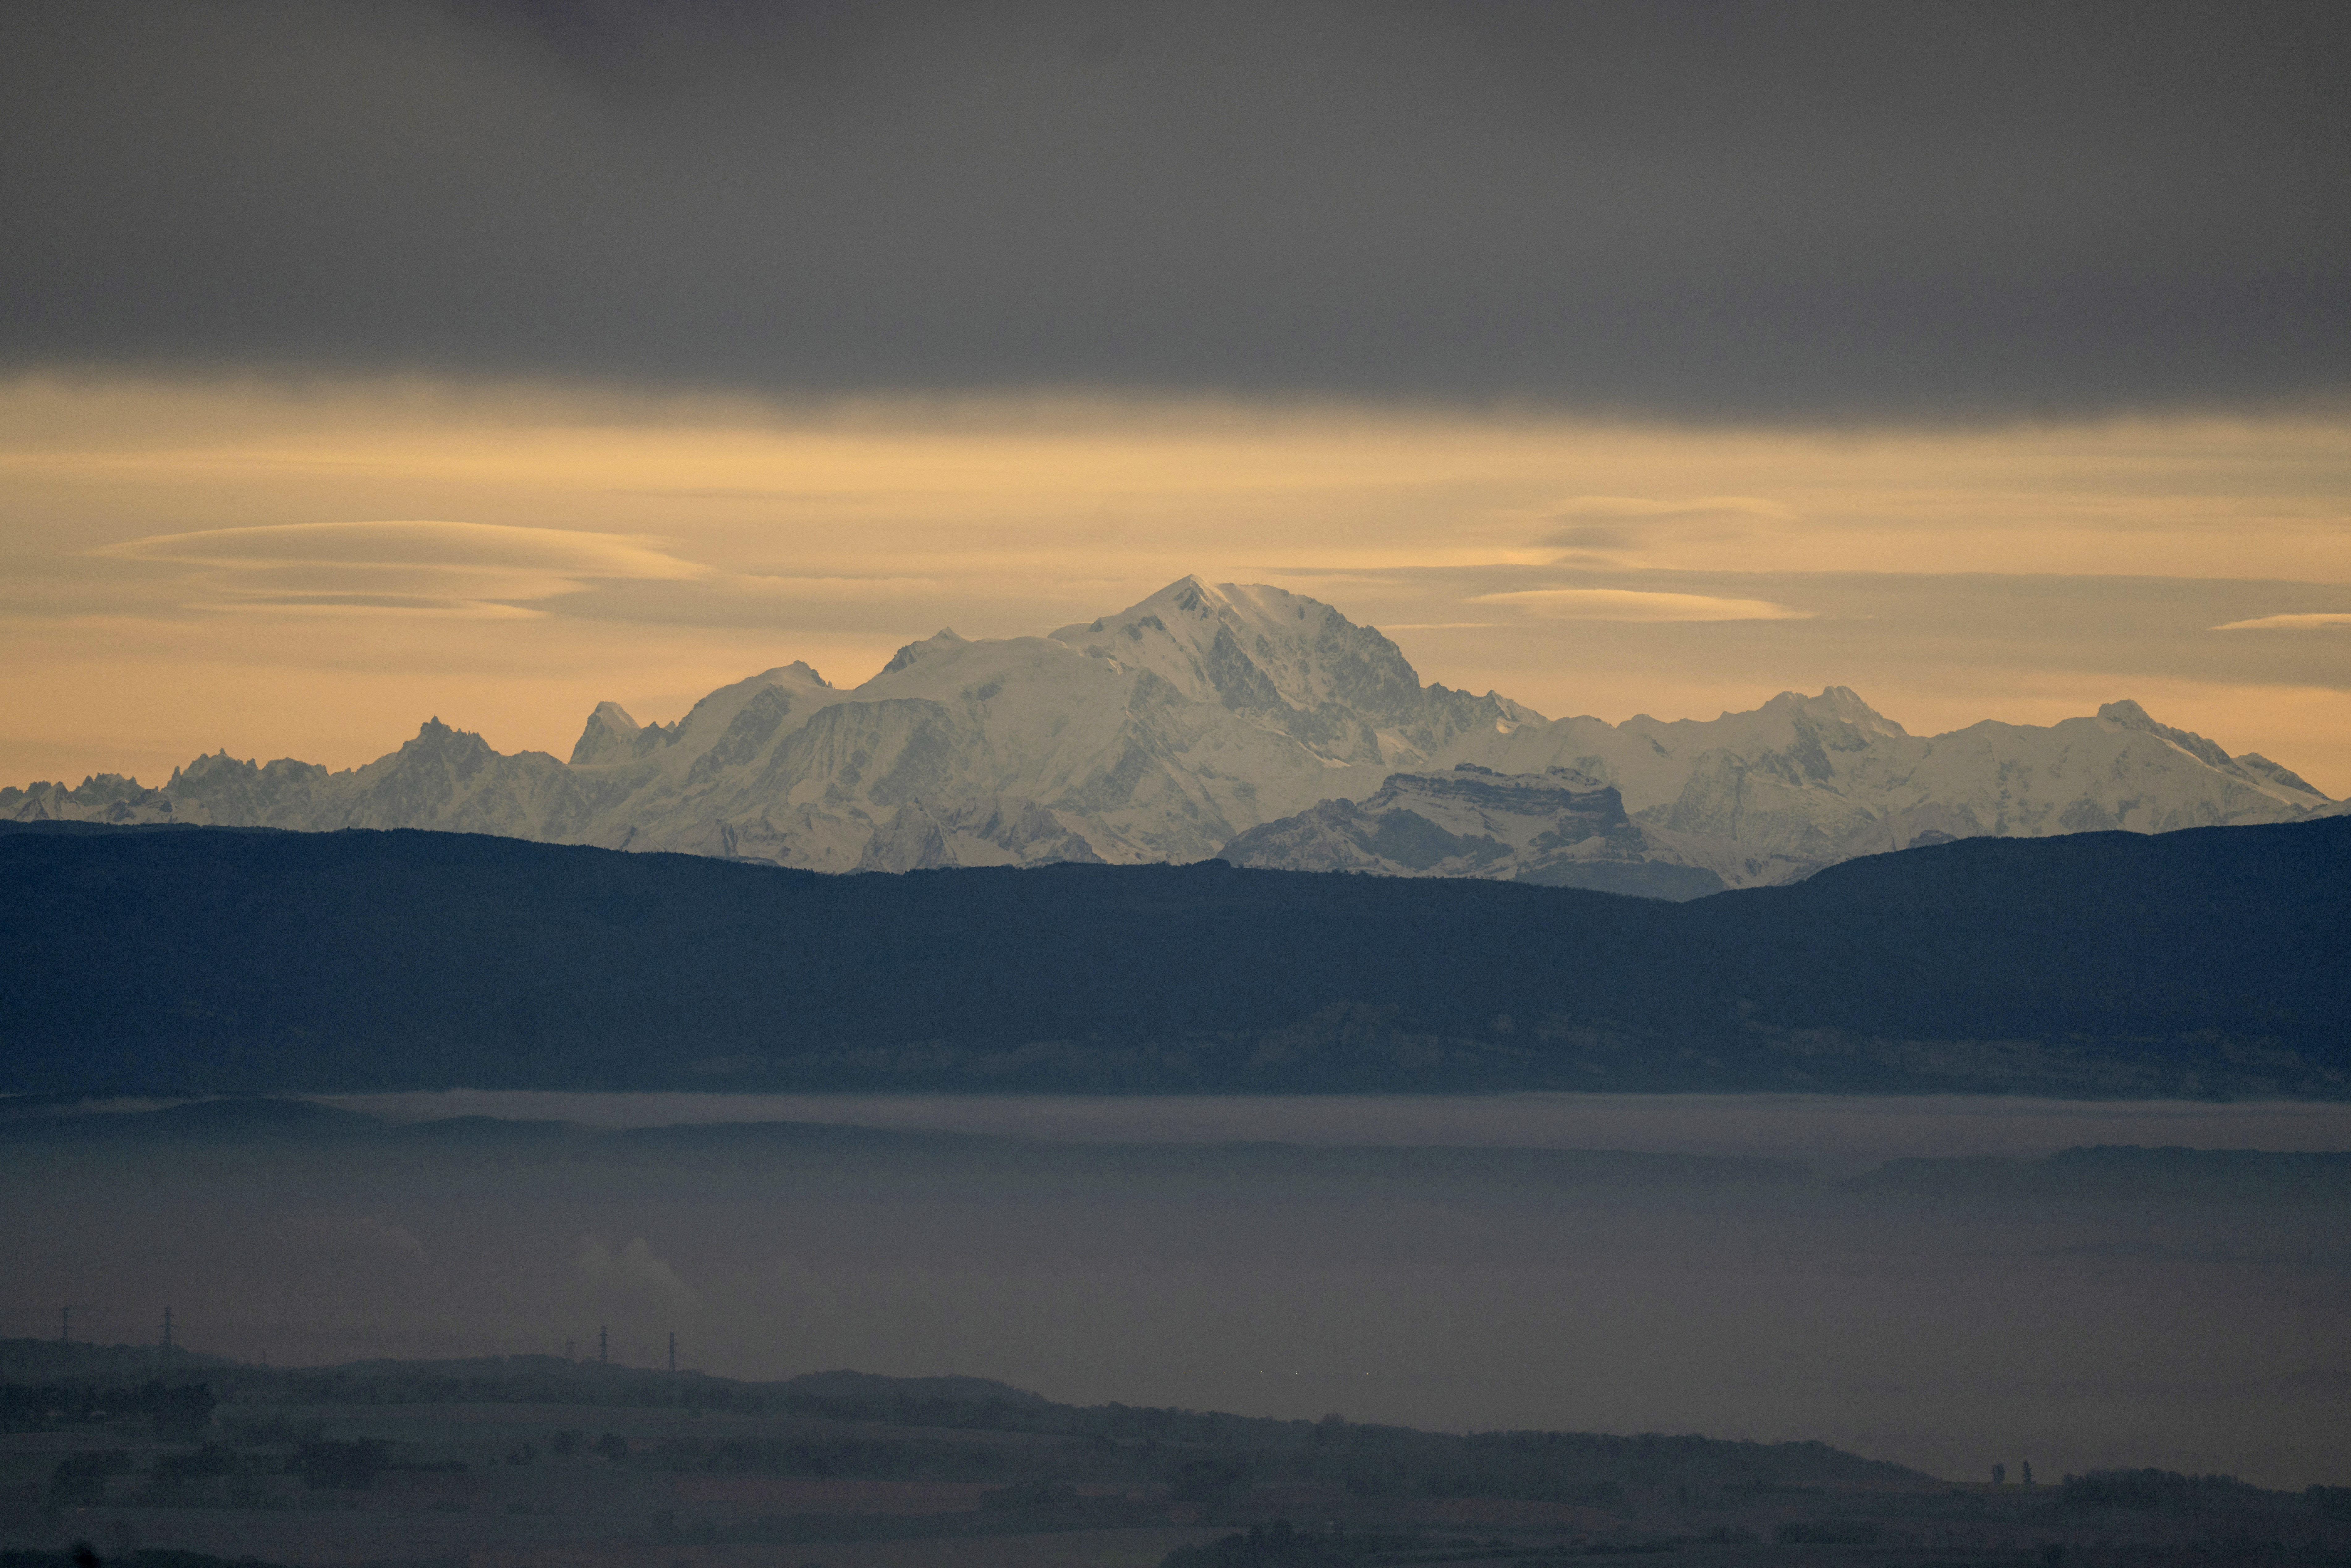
[1698, 210]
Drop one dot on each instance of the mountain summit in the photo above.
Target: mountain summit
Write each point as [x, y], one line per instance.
[1211, 715]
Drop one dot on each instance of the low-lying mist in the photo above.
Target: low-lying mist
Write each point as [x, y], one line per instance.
[1837, 1135]
[1746, 1276]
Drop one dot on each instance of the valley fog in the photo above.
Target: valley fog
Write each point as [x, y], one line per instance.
[1126, 1250]
[1837, 1135]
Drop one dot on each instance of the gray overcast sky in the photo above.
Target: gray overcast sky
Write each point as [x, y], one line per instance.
[1699, 211]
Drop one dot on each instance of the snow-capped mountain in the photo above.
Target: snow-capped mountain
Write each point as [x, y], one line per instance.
[1178, 727]
[1692, 807]
[1804, 782]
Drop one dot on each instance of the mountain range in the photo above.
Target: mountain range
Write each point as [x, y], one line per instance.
[1245, 722]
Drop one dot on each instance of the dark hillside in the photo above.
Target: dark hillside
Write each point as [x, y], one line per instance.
[2095, 933]
[1292, 1450]
[2205, 961]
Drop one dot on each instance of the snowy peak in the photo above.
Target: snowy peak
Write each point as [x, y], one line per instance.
[710, 718]
[914, 654]
[2130, 716]
[1254, 649]
[2252, 766]
[434, 738]
[438, 747]
[2260, 767]
[611, 736]
[607, 737]
[800, 673]
[1839, 705]
[1836, 717]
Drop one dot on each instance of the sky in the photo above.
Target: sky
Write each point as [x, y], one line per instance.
[361, 365]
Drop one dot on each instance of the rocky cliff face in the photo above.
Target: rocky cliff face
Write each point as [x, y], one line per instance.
[1558, 827]
[1215, 715]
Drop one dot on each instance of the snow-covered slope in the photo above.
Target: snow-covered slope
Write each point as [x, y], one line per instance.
[1174, 728]
[1804, 782]
[1774, 795]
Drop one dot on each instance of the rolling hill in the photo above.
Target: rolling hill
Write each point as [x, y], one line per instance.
[2206, 961]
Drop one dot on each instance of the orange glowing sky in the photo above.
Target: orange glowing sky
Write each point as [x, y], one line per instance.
[187, 566]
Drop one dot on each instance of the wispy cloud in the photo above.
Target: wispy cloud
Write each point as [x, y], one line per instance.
[424, 567]
[1626, 522]
[2316, 621]
[1633, 604]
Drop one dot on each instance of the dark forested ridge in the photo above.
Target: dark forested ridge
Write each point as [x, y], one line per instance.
[2206, 961]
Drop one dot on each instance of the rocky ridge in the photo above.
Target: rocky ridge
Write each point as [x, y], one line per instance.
[1559, 828]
